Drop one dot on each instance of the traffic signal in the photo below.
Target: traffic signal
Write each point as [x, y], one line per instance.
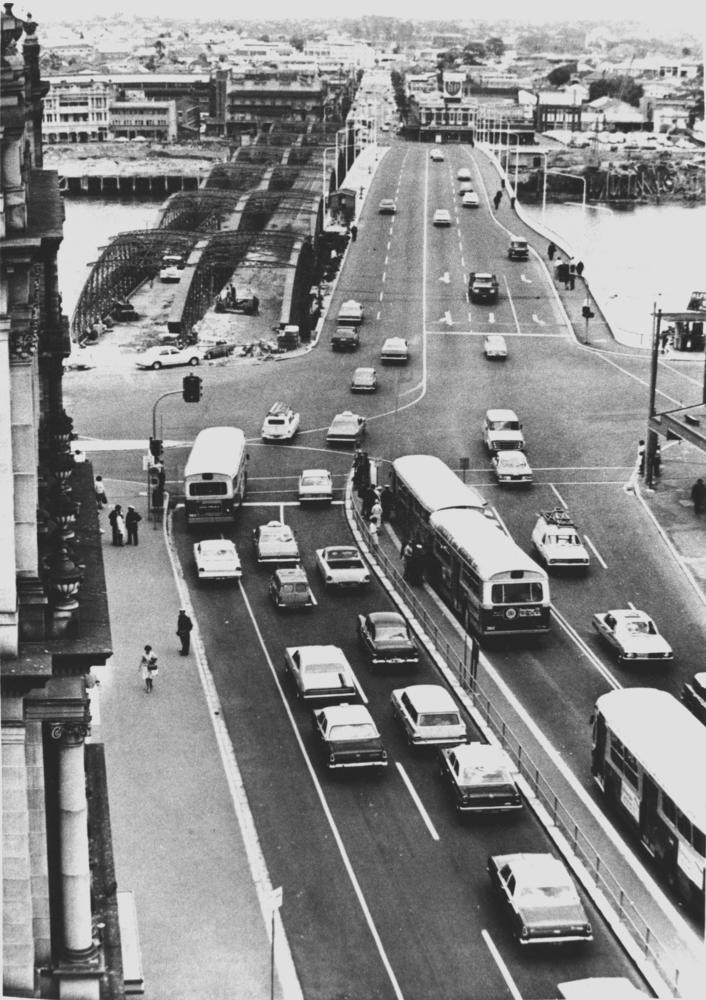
[156, 449]
[587, 312]
[192, 388]
[157, 476]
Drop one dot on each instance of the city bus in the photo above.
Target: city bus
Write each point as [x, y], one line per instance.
[215, 475]
[423, 484]
[488, 581]
[648, 753]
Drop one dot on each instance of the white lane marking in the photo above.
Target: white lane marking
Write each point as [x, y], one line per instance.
[446, 278]
[418, 802]
[463, 264]
[558, 495]
[384, 275]
[537, 320]
[595, 551]
[387, 260]
[512, 304]
[491, 317]
[281, 512]
[381, 295]
[322, 799]
[636, 378]
[586, 649]
[504, 971]
[506, 333]
[389, 244]
[377, 314]
[631, 606]
[523, 277]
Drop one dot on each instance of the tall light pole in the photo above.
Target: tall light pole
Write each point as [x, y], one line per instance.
[324, 177]
[578, 177]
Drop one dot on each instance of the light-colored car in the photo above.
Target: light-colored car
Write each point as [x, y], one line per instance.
[387, 639]
[436, 156]
[544, 906]
[501, 429]
[281, 423]
[480, 777]
[275, 543]
[346, 428]
[470, 199]
[348, 737]
[429, 715]
[494, 346]
[321, 673]
[512, 467]
[171, 268]
[607, 987]
[442, 217]
[395, 350]
[632, 635]
[556, 540]
[217, 559]
[364, 380]
[350, 313]
[465, 187]
[387, 206]
[315, 486]
[168, 357]
[289, 588]
[463, 174]
[342, 566]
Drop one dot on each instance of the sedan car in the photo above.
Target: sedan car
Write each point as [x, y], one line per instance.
[289, 589]
[350, 313]
[387, 639]
[320, 673]
[436, 156]
[342, 566]
[544, 904]
[480, 778]
[442, 217]
[217, 559]
[280, 424]
[494, 346]
[346, 428]
[463, 174]
[470, 199]
[429, 715]
[168, 357]
[557, 542]
[632, 635]
[610, 987]
[693, 695]
[512, 467]
[275, 543]
[349, 737]
[364, 380]
[387, 206]
[394, 350]
[315, 486]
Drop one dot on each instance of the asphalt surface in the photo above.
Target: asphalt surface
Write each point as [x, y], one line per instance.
[413, 913]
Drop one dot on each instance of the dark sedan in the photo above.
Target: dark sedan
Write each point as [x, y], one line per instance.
[387, 639]
[349, 737]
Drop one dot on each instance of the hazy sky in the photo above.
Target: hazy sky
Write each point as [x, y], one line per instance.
[682, 13]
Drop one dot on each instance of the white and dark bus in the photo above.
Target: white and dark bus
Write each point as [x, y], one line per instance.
[648, 758]
[423, 484]
[488, 581]
[215, 475]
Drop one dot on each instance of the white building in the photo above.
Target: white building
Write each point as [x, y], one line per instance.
[76, 109]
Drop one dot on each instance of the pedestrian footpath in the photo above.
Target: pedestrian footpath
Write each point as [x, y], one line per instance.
[176, 838]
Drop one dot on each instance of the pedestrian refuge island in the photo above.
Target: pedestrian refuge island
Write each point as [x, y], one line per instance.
[133, 978]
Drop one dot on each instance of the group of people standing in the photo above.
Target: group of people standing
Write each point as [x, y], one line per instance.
[565, 271]
[123, 526]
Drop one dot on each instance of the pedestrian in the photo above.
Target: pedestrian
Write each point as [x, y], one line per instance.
[116, 524]
[579, 268]
[369, 498]
[376, 511]
[79, 456]
[557, 268]
[663, 340]
[255, 306]
[374, 532]
[101, 497]
[183, 630]
[416, 564]
[387, 502]
[551, 250]
[657, 461]
[563, 273]
[572, 273]
[132, 519]
[407, 553]
[497, 198]
[148, 667]
[354, 232]
[640, 457]
[698, 496]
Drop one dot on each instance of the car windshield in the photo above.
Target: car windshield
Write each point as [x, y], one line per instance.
[565, 538]
[513, 461]
[277, 535]
[353, 731]
[640, 628]
[387, 632]
[505, 425]
[476, 774]
[313, 480]
[439, 719]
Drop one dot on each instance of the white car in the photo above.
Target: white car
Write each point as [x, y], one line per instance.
[480, 777]
[394, 351]
[429, 715]
[387, 206]
[217, 559]
[350, 313]
[556, 540]
[364, 380]
[275, 543]
[494, 346]
[280, 424]
[315, 486]
[609, 987]
[502, 429]
[442, 217]
[171, 267]
[470, 199]
[342, 566]
[321, 673]
[346, 428]
[632, 635]
[463, 174]
[168, 357]
[512, 467]
[436, 156]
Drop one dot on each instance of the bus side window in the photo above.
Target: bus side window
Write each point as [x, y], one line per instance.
[669, 809]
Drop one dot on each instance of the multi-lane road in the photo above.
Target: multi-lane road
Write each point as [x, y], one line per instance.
[385, 890]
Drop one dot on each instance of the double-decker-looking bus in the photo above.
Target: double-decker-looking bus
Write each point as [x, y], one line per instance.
[215, 475]
[648, 759]
[493, 587]
[423, 484]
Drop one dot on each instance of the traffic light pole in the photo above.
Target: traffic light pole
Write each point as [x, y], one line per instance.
[174, 392]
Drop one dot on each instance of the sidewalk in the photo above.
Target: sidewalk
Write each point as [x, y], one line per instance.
[176, 837]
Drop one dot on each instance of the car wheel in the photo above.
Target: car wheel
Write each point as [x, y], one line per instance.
[156, 365]
[193, 362]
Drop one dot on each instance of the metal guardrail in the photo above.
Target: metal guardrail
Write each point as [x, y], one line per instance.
[485, 695]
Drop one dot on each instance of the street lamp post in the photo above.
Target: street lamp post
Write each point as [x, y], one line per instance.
[578, 177]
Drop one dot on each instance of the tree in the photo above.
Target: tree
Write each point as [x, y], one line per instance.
[297, 42]
[622, 87]
[560, 76]
[495, 47]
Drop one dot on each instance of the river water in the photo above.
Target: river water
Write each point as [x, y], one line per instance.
[634, 258]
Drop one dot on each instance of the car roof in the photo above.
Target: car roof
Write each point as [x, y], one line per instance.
[484, 755]
[501, 415]
[317, 654]
[430, 697]
[629, 615]
[316, 472]
[278, 408]
[288, 574]
[363, 371]
[340, 550]
[496, 338]
[215, 543]
[273, 526]
[394, 342]
[349, 714]
[534, 868]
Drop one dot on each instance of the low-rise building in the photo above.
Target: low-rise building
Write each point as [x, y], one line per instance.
[76, 109]
[155, 120]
